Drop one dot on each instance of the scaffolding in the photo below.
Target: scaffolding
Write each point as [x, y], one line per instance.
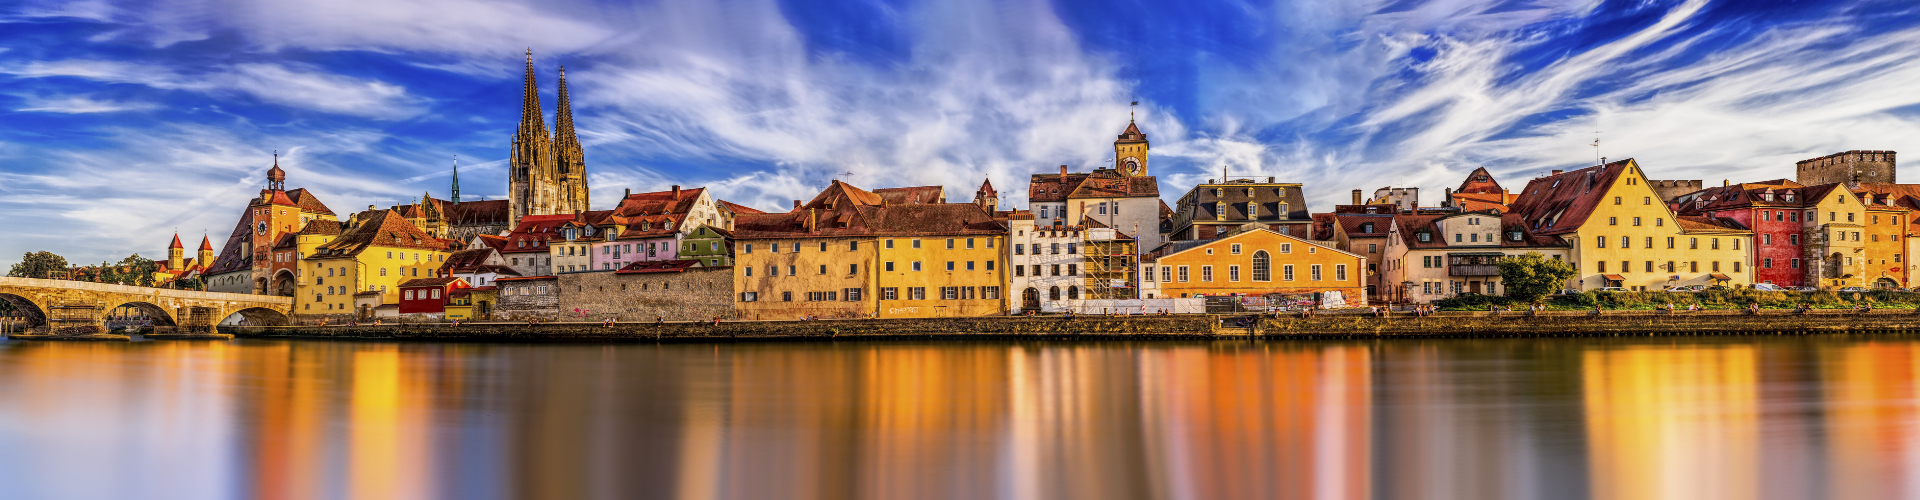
[1112, 263]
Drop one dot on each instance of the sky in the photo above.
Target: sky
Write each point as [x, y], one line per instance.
[124, 122]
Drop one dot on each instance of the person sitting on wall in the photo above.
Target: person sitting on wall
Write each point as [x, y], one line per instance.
[607, 323]
[659, 320]
[1753, 308]
[456, 322]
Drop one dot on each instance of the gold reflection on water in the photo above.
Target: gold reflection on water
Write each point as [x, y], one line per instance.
[1672, 422]
[308, 420]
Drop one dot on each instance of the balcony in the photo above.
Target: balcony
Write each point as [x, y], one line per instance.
[1474, 264]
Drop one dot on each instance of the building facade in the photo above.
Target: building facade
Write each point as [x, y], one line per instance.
[375, 252]
[1433, 257]
[1217, 208]
[1621, 235]
[1260, 263]
[546, 173]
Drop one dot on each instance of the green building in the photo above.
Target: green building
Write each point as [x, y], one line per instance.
[712, 246]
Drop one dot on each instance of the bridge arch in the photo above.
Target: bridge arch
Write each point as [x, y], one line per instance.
[25, 308]
[283, 283]
[256, 316]
[159, 315]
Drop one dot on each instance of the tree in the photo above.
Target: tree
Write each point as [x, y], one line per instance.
[1531, 276]
[38, 265]
[138, 270]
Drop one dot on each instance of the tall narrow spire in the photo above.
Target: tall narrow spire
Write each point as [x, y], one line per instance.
[563, 135]
[570, 160]
[456, 179]
[531, 118]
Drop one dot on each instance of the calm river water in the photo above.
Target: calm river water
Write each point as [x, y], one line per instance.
[1691, 418]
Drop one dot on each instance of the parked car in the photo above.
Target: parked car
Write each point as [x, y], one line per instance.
[1679, 289]
[1612, 289]
[1808, 289]
[1717, 287]
[1768, 287]
[1853, 289]
[1567, 291]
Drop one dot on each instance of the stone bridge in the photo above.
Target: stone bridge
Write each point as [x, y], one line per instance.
[36, 299]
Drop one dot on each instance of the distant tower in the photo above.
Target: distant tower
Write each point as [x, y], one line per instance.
[986, 197]
[1130, 152]
[206, 251]
[276, 178]
[1849, 167]
[176, 255]
[456, 179]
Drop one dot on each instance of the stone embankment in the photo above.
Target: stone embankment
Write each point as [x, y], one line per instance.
[1325, 325]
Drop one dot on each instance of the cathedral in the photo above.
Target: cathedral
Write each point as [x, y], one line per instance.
[547, 173]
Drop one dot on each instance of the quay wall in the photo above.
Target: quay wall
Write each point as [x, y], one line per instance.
[1441, 325]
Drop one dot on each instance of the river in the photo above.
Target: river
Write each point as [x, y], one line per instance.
[1645, 418]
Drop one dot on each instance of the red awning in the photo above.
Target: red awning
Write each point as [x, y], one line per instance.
[1719, 277]
[1615, 277]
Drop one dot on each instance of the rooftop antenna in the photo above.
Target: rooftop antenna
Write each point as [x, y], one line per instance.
[1596, 149]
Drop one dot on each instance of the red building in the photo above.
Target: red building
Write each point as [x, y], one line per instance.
[428, 295]
[1772, 209]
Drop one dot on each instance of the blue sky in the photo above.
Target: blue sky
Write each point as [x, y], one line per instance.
[122, 121]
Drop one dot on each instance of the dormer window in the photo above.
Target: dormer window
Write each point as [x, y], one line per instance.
[646, 226]
[1426, 237]
[668, 225]
[1515, 236]
[1366, 228]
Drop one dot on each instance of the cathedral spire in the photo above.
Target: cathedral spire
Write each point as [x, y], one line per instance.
[531, 118]
[563, 116]
[568, 156]
[456, 179]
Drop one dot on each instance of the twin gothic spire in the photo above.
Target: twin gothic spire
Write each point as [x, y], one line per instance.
[547, 173]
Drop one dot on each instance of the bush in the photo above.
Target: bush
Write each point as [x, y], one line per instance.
[1475, 302]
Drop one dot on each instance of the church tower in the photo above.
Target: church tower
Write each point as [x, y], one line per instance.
[1130, 152]
[530, 169]
[572, 171]
[547, 173]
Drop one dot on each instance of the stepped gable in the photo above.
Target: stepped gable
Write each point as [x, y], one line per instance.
[1558, 204]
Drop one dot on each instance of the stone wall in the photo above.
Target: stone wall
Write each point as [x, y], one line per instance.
[1669, 189]
[525, 299]
[1851, 166]
[698, 293]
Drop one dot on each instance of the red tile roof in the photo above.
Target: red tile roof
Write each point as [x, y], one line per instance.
[1473, 186]
[308, 202]
[738, 209]
[534, 232]
[419, 282]
[658, 202]
[379, 228]
[912, 195]
[1559, 204]
[467, 260]
[1353, 223]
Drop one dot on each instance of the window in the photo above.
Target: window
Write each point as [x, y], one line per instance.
[1373, 248]
[1314, 272]
[949, 243]
[1055, 247]
[853, 269]
[1053, 293]
[1260, 269]
[749, 296]
[1286, 248]
[969, 265]
[1636, 221]
[823, 246]
[1716, 266]
[1022, 271]
[1736, 243]
[1073, 293]
[851, 294]
[1766, 263]
[969, 243]
[776, 248]
[1614, 221]
[890, 293]
[916, 265]
[1649, 266]
[773, 271]
[1339, 272]
[1626, 242]
[1693, 266]
[949, 265]
[989, 265]
[1073, 269]
[1233, 273]
[990, 292]
[794, 271]
[1626, 267]
[1072, 248]
[1019, 249]
[1736, 266]
[1600, 242]
[1649, 242]
[949, 293]
[1715, 243]
[749, 271]
[786, 296]
[1166, 273]
[1793, 239]
[1616, 200]
[1183, 274]
[1286, 272]
[917, 293]
[889, 266]
[1055, 270]
[889, 244]
[1206, 273]
[916, 243]
[1693, 243]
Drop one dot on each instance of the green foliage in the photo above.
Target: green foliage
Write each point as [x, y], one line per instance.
[38, 265]
[1476, 302]
[1532, 276]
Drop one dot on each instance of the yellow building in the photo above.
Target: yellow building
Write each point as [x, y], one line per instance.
[850, 253]
[1621, 234]
[1259, 263]
[377, 250]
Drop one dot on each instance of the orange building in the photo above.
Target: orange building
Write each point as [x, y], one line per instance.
[1259, 262]
[1885, 228]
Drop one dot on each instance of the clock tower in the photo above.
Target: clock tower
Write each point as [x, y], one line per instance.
[1130, 152]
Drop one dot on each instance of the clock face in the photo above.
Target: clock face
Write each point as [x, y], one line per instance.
[1130, 165]
[261, 229]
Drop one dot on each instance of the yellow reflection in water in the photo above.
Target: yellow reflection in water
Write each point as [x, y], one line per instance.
[1870, 420]
[1672, 422]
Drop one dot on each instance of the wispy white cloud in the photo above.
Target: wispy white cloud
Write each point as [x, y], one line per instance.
[288, 85]
[79, 104]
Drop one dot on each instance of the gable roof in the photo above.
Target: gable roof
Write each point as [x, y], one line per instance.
[1479, 182]
[467, 260]
[386, 228]
[658, 202]
[914, 194]
[308, 202]
[738, 209]
[1558, 204]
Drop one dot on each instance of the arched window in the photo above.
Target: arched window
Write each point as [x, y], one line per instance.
[1053, 293]
[1260, 272]
[1073, 293]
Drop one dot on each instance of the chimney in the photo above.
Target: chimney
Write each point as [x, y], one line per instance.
[1446, 197]
[813, 221]
[1269, 180]
[1063, 172]
[676, 192]
[1557, 171]
[1209, 181]
[628, 194]
[1356, 197]
[1726, 183]
[796, 204]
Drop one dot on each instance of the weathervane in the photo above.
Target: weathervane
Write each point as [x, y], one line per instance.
[1596, 149]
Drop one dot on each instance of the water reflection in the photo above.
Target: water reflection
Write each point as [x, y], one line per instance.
[1617, 419]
